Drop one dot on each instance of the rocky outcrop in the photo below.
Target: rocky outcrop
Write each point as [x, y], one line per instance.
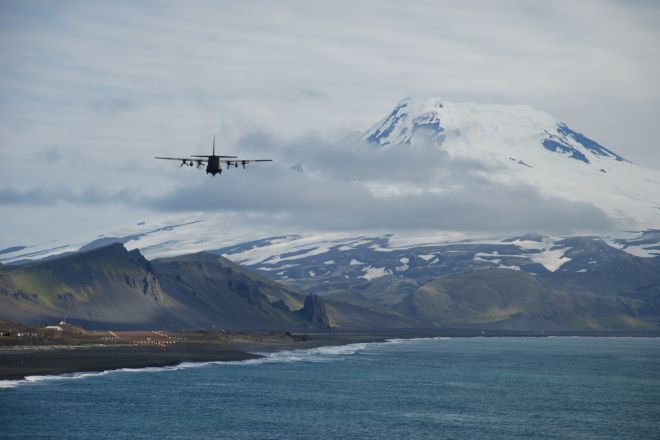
[314, 312]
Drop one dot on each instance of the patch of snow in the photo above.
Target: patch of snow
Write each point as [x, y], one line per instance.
[551, 259]
[528, 244]
[374, 272]
[309, 245]
[435, 238]
[481, 258]
[493, 254]
[355, 262]
[285, 266]
[379, 248]
[513, 267]
[636, 250]
[404, 265]
[354, 245]
[309, 253]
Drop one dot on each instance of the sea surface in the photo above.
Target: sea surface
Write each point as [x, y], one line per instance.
[453, 388]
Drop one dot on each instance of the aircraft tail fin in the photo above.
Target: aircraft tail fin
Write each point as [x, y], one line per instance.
[214, 145]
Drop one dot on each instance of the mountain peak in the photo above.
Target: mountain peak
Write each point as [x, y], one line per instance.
[408, 117]
[484, 126]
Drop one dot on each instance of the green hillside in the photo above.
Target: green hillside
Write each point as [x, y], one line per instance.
[516, 300]
[110, 287]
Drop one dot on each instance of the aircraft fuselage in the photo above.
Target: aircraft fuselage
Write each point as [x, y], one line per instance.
[213, 165]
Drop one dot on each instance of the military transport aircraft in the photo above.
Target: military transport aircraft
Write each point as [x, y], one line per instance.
[213, 162]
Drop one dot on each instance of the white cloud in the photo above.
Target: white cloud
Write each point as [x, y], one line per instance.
[100, 88]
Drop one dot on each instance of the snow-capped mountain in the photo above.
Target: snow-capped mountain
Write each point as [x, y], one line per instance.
[512, 144]
[522, 145]
[508, 126]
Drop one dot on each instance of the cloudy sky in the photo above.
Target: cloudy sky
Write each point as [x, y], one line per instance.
[91, 91]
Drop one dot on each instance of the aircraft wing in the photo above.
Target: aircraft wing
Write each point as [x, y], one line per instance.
[174, 158]
[231, 162]
[187, 160]
[243, 162]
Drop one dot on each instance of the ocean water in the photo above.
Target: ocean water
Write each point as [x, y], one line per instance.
[453, 388]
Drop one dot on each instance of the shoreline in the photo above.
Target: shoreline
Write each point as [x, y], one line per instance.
[20, 362]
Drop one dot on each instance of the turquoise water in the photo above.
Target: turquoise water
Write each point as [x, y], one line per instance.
[458, 388]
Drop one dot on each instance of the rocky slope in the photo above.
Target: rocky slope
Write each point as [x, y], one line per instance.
[529, 282]
[110, 287]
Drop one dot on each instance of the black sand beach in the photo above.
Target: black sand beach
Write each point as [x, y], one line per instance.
[19, 362]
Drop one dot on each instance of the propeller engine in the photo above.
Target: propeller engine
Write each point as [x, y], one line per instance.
[183, 162]
[243, 162]
[199, 164]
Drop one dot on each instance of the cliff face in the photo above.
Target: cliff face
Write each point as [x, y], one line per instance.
[225, 294]
[110, 287]
[106, 286]
[314, 312]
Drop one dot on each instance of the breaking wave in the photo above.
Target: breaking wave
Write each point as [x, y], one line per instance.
[318, 354]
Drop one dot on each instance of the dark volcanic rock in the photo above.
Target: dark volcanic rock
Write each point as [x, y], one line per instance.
[314, 312]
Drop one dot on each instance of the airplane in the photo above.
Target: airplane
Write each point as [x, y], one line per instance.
[213, 162]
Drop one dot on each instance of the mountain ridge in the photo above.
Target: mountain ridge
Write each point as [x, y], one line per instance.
[453, 287]
[111, 287]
